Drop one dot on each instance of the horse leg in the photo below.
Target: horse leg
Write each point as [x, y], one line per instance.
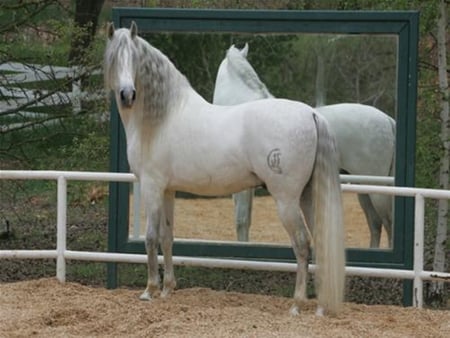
[373, 220]
[387, 207]
[166, 231]
[153, 206]
[292, 219]
[384, 206]
[243, 213]
[387, 224]
[306, 203]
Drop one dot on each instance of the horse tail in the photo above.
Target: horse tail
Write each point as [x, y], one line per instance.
[328, 221]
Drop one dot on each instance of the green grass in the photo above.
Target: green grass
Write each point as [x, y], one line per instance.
[87, 272]
[76, 143]
[262, 282]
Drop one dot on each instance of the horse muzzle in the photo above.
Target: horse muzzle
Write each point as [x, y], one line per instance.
[127, 97]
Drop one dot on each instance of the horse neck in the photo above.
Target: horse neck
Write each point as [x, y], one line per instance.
[159, 85]
[161, 92]
[240, 67]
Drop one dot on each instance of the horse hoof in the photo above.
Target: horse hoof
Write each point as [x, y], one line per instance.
[320, 311]
[294, 311]
[165, 293]
[145, 296]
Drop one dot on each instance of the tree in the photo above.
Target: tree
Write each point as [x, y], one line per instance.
[85, 26]
[437, 289]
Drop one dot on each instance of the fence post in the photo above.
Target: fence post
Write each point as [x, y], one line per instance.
[76, 90]
[419, 218]
[61, 230]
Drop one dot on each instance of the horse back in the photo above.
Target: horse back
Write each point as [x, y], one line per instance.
[204, 149]
[361, 131]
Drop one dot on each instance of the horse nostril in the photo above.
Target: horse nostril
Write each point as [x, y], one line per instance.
[127, 96]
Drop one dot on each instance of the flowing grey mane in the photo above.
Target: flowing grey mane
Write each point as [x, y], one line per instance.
[157, 80]
[241, 67]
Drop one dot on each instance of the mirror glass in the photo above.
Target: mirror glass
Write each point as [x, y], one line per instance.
[321, 70]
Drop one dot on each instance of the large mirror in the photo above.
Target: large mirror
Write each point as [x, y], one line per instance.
[323, 70]
[320, 57]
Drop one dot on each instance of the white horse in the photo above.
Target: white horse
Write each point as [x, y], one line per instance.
[365, 140]
[177, 141]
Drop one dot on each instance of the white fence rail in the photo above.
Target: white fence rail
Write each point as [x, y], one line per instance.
[11, 87]
[61, 254]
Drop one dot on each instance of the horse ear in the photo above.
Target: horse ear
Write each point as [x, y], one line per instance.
[110, 30]
[133, 29]
[244, 51]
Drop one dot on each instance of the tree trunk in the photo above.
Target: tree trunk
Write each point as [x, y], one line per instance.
[86, 21]
[437, 289]
[320, 81]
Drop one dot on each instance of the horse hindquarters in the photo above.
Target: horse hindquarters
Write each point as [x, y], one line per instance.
[328, 221]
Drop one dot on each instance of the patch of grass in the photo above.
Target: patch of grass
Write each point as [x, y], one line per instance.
[132, 275]
[76, 143]
[259, 282]
[88, 273]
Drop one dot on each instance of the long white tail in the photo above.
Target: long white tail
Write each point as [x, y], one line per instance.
[328, 221]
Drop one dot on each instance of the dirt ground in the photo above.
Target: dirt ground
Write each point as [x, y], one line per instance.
[213, 219]
[43, 308]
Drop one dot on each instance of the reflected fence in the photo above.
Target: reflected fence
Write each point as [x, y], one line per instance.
[350, 183]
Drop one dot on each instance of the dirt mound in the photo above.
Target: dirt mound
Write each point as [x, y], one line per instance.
[45, 307]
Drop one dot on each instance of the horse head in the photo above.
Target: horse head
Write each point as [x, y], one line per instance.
[237, 81]
[234, 50]
[121, 63]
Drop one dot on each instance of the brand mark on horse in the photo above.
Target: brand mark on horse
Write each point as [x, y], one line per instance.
[273, 160]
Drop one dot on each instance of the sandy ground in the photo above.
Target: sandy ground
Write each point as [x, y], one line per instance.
[212, 219]
[45, 308]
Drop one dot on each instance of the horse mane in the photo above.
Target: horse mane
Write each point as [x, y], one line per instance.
[158, 82]
[239, 65]
[110, 62]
